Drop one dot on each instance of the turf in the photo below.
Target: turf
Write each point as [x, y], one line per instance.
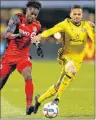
[77, 102]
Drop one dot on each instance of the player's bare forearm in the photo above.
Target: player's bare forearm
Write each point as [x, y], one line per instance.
[36, 39]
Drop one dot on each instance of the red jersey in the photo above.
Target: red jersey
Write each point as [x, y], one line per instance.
[21, 46]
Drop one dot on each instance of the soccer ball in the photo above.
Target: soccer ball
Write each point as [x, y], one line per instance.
[50, 110]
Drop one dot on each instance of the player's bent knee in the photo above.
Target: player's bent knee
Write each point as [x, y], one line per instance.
[27, 74]
[70, 67]
[71, 70]
[28, 78]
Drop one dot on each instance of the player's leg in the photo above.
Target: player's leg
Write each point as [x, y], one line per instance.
[70, 71]
[49, 93]
[26, 72]
[5, 71]
[25, 68]
[3, 80]
[54, 89]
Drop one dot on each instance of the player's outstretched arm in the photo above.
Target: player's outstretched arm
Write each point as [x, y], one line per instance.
[57, 28]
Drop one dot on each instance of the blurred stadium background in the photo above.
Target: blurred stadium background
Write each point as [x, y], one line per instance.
[78, 100]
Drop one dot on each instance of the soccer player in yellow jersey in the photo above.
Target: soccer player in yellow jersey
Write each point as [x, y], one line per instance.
[70, 56]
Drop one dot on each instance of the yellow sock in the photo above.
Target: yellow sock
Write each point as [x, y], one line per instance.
[64, 83]
[50, 92]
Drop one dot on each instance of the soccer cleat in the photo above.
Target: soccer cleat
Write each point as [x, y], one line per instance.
[56, 101]
[37, 104]
[29, 109]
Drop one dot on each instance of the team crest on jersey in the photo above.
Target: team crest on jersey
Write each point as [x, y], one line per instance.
[83, 29]
[34, 29]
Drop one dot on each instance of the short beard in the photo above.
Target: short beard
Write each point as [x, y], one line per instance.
[29, 22]
[76, 23]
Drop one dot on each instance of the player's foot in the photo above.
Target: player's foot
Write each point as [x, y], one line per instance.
[37, 104]
[29, 109]
[56, 101]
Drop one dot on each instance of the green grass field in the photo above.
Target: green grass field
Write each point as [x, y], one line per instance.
[77, 101]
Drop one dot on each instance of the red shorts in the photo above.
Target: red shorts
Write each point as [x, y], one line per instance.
[9, 63]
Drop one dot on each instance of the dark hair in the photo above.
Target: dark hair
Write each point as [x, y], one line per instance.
[76, 6]
[34, 3]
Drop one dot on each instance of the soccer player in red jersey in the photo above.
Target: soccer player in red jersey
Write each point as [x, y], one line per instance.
[21, 29]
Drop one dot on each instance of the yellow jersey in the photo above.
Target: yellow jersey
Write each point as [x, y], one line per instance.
[74, 38]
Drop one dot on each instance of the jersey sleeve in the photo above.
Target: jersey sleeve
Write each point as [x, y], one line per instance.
[90, 31]
[12, 25]
[57, 28]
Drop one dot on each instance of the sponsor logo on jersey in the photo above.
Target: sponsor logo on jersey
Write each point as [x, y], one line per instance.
[24, 32]
[75, 40]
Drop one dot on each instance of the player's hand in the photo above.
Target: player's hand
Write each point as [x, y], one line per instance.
[35, 39]
[40, 50]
